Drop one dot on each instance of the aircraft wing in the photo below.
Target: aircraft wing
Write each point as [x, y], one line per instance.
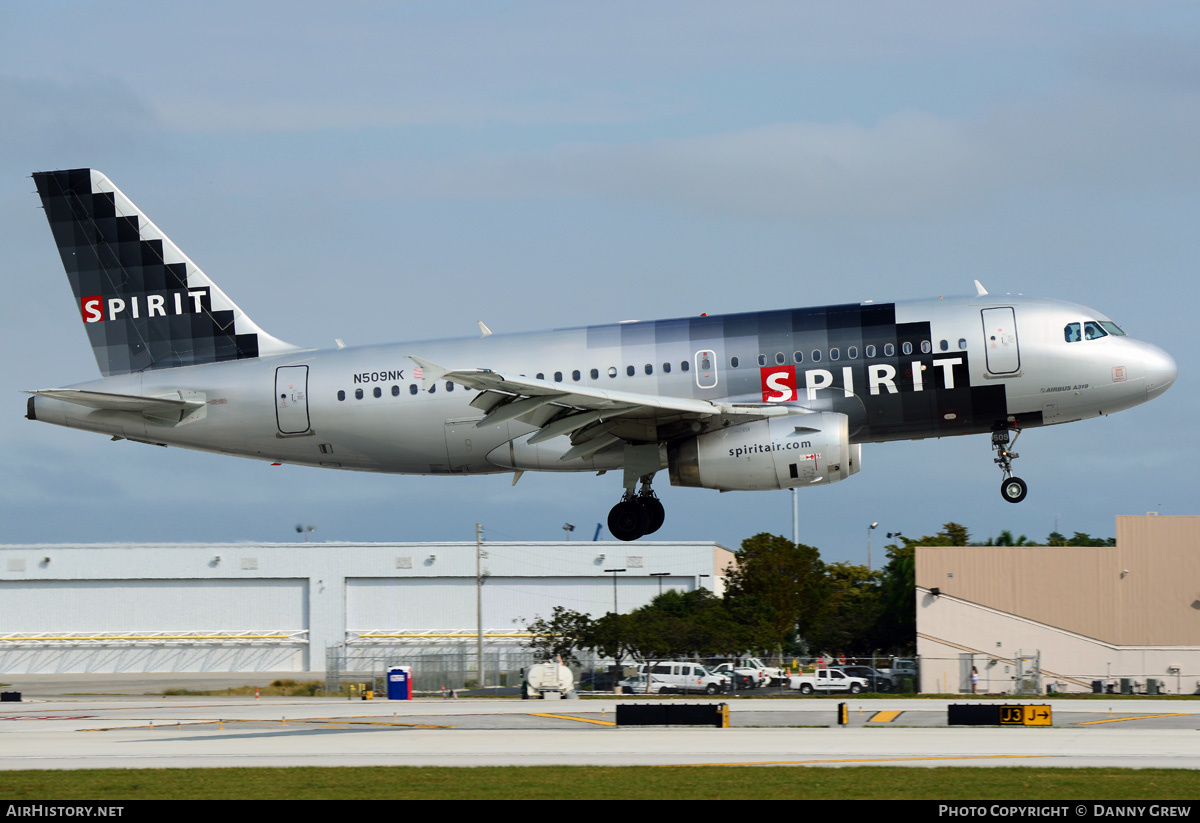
[594, 417]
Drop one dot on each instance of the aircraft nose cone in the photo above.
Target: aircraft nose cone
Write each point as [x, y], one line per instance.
[1160, 372]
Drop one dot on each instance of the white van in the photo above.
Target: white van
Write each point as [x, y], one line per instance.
[672, 676]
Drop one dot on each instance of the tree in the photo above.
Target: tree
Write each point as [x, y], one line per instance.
[897, 627]
[777, 589]
[850, 620]
[561, 635]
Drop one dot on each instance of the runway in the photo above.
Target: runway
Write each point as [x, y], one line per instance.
[188, 732]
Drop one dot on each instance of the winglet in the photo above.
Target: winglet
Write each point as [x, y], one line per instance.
[484, 331]
[980, 291]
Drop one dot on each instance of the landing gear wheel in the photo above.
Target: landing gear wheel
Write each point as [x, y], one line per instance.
[655, 513]
[627, 520]
[1013, 489]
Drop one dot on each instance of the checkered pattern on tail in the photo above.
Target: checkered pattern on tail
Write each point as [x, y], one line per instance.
[144, 304]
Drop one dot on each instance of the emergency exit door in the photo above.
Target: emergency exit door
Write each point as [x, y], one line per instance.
[291, 399]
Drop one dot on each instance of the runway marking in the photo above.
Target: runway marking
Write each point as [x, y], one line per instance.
[885, 717]
[330, 722]
[862, 760]
[1140, 717]
[568, 717]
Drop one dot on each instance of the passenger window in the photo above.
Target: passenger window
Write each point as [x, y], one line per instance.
[449, 387]
[576, 376]
[358, 394]
[870, 351]
[733, 362]
[798, 356]
[558, 377]
[412, 388]
[612, 371]
[341, 395]
[433, 388]
[889, 350]
[816, 356]
[1092, 330]
[926, 347]
[779, 358]
[541, 376]
[666, 368]
[835, 354]
[630, 370]
[906, 348]
[595, 374]
[762, 360]
[684, 365]
[1071, 332]
[962, 343]
[395, 391]
[706, 364]
[944, 345]
[852, 352]
[649, 369]
[378, 392]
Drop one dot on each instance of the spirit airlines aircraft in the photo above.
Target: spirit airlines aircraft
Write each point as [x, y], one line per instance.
[776, 399]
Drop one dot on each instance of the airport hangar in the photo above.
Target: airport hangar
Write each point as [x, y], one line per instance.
[281, 607]
[1130, 611]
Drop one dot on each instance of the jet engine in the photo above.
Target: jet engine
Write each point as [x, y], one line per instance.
[776, 453]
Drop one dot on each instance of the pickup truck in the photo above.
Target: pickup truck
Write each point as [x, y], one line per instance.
[762, 674]
[827, 680]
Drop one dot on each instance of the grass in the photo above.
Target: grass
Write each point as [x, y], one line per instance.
[277, 688]
[593, 783]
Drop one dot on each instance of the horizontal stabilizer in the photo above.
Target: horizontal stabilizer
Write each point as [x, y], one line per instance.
[172, 408]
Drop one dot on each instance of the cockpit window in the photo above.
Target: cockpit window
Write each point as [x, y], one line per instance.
[1112, 328]
[1092, 330]
[1071, 332]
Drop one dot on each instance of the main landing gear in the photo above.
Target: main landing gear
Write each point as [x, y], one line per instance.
[1013, 489]
[637, 514]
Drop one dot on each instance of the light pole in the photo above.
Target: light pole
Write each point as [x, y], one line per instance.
[617, 627]
[568, 528]
[660, 576]
[870, 529]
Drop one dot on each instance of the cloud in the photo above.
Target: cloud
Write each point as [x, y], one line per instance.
[908, 163]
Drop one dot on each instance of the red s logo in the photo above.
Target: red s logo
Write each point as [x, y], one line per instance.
[778, 383]
[93, 309]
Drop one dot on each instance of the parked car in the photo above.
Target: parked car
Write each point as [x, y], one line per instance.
[678, 676]
[763, 674]
[877, 681]
[827, 680]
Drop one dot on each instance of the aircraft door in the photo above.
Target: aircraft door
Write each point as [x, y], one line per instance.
[291, 399]
[706, 369]
[1000, 340]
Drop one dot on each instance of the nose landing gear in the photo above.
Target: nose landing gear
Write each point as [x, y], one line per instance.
[1013, 489]
[637, 514]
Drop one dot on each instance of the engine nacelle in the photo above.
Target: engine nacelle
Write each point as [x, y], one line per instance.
[776, 453]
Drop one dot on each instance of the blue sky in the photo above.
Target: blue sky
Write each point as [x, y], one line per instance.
[396, 171]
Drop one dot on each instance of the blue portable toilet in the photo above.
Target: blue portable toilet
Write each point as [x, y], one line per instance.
[399, 683]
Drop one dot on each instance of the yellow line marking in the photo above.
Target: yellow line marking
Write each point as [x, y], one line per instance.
[860, 760]
[885, 717]
[1140, 717]
[577, 719]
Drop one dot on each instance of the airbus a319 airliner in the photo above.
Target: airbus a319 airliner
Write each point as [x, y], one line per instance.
[776, 399]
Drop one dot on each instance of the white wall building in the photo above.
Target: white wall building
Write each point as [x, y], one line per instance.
[278, 607]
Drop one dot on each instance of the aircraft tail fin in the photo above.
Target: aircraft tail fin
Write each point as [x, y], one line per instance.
[144, 303]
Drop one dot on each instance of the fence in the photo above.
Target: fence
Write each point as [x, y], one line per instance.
[457, 668]
[1031, 673]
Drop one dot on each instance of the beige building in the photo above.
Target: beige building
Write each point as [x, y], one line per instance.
[1129, 612]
